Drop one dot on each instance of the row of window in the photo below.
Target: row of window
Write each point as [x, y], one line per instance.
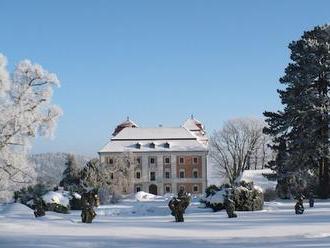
[152, 145]
[168, 189]
[152, 160]
[167, 174]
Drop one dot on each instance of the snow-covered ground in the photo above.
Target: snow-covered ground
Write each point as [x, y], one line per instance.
[148, 223]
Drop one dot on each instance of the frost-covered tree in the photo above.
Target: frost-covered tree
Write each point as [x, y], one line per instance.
[110, 179]
[122, 171]
[238, 146]
[303, 124]
[25, 112]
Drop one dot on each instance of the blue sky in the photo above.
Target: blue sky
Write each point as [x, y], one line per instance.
[155, 61]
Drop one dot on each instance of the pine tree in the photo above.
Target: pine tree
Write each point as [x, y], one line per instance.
[71, 175]
[304, 122]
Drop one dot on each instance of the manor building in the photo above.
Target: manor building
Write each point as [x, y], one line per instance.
[167, 158]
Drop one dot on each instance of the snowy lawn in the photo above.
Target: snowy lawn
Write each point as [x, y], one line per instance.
[148, 224]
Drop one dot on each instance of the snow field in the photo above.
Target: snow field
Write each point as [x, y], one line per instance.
[134, 223]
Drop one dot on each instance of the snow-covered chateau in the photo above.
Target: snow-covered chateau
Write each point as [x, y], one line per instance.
[168, 158]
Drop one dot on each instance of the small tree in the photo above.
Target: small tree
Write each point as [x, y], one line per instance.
[71, 175]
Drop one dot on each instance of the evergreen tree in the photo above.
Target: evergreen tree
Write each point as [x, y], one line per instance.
[71, 175]
[304, 123]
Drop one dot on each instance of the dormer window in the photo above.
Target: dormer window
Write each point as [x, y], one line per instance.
[138, 145]
[167, 145]
[152, 145]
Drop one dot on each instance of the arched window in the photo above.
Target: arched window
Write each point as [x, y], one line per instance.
[138, 174]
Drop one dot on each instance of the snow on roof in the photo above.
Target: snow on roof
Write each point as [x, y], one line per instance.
[157, 133]
[192, 124]
[258, 179]
[174, 145]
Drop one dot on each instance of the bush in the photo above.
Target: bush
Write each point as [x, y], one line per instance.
[211, 190]
[58, 208]
[27, 195]
[270, 195]
[246, 196]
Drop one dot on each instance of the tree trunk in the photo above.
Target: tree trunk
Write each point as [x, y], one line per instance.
[324, 162]
[324, 178]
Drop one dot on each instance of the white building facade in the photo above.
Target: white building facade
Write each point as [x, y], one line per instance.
[167, 159]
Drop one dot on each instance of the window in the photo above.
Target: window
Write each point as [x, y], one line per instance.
[167, 145]
[138, 160]
[137, 189]
[167, 189]
[181, 174]
[195, 173]
[167, 174]
[138, 145]
[181, 160]
[167, 160]
[152, 145]
[152, 176]
[152, 160]
[109, 160]
[195, 188]
[111, 175]
[195, 160]
[138, 175]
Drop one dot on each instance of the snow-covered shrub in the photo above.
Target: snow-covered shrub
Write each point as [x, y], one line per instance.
[211, 190]
[57, 201]
[246, 196]
[216, 201]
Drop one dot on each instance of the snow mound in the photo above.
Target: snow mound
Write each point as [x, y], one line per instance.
[256, 176]
[56, 197]
[144, 196]
[16, 210]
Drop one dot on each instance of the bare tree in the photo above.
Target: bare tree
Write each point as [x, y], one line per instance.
[123, 172]
[238, 146]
